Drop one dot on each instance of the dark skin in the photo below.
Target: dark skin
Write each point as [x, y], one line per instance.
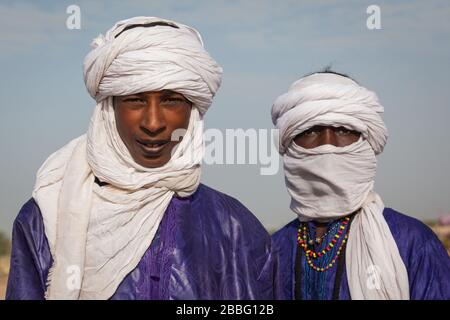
[145, 122]
[321, 135]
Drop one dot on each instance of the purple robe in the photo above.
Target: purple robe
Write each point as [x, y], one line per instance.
[425, 258]
[208, 246]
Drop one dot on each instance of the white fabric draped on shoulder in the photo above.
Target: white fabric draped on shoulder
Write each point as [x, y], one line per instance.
[97, 235]
[329, 182]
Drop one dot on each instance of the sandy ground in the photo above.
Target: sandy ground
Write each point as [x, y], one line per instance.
[2, 288]
[4, 269]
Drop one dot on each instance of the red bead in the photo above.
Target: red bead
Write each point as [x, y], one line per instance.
[334, 240]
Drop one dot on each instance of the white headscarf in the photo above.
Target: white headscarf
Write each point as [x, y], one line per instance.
[97, 235]
[329, 182]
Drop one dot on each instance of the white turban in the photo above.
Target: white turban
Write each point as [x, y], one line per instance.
[100, 234]
[127, 61]
[329, 182]
[333, 100]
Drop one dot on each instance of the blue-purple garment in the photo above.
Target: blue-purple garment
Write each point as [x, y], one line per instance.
[208, 246]
[425, 258]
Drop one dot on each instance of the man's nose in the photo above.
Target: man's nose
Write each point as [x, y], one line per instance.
[328, 136]
[153, 119]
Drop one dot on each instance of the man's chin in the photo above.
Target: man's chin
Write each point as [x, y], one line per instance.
[153, 162]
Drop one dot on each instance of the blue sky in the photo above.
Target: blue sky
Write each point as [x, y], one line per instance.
[263, 47]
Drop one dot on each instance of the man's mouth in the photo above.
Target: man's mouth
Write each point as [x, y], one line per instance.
[152, 147]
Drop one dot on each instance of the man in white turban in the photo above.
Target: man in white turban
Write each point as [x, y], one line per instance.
[345, 243]
[119, 213]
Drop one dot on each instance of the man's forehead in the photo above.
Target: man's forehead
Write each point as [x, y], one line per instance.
[153, 92]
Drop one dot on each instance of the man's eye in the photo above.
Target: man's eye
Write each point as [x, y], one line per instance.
[310, 133]
[134, 100]
[173, 101]
[343, 131]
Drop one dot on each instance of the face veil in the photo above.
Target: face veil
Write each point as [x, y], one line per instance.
[329, 182]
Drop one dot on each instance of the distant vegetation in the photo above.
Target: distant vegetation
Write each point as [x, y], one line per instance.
[5, 245]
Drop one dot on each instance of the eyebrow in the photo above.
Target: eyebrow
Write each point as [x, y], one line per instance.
[164, 94]
[322, 127]
[140, 94]
[167, 92]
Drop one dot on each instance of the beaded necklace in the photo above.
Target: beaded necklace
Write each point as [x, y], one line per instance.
[340, 239]
[318, 240]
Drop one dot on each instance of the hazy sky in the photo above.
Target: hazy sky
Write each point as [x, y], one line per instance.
[263, 47]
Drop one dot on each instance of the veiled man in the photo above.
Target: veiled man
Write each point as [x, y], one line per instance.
[345, 243]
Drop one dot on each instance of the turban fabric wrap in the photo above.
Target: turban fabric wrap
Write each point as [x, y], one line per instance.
[97, 235]
[329, 182]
